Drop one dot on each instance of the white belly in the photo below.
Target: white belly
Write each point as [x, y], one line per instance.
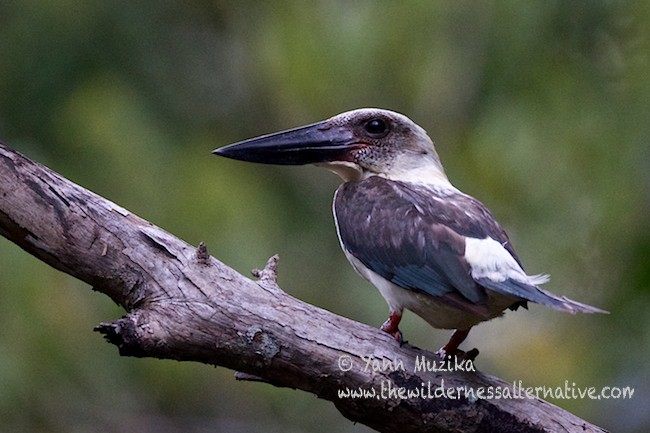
[438, 314]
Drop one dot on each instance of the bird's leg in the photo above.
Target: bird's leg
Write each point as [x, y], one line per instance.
[391, 326]
[451, 348]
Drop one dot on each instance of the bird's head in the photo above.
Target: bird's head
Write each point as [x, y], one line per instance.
[355, 145]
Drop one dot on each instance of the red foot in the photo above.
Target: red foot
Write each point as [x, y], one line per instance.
[451, 348]
[391, 326]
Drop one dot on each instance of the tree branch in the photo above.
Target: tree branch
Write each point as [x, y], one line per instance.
[183, 304]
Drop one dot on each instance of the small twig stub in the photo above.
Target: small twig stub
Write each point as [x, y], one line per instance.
[269, 273]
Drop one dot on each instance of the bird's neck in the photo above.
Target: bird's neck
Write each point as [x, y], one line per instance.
[423, 169]
[426, 170]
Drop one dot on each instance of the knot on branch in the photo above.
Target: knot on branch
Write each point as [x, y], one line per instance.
[264, 345]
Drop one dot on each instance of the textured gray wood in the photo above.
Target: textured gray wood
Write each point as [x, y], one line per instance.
[183, 304]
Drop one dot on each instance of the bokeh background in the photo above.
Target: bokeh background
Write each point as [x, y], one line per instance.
[540, 109]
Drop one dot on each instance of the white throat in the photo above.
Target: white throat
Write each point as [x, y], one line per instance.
[419, 168]
[427, 173]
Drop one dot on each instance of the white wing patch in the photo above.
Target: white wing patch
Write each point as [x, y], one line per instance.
[489, 259]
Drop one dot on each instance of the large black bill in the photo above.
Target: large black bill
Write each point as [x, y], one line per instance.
[305, 145]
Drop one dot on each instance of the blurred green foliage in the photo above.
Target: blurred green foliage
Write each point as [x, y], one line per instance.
[540, 109]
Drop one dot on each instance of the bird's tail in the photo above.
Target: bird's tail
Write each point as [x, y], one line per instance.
[533, 293]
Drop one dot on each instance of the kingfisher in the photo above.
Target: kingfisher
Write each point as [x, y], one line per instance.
[425, 245]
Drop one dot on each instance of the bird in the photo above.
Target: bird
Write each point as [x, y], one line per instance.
[425, 245]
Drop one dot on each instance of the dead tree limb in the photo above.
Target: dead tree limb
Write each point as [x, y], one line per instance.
[183, 304]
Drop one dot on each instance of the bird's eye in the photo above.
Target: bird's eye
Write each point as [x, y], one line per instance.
[376, 127]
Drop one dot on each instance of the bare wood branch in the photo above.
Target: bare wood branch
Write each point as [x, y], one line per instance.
[183, 304]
